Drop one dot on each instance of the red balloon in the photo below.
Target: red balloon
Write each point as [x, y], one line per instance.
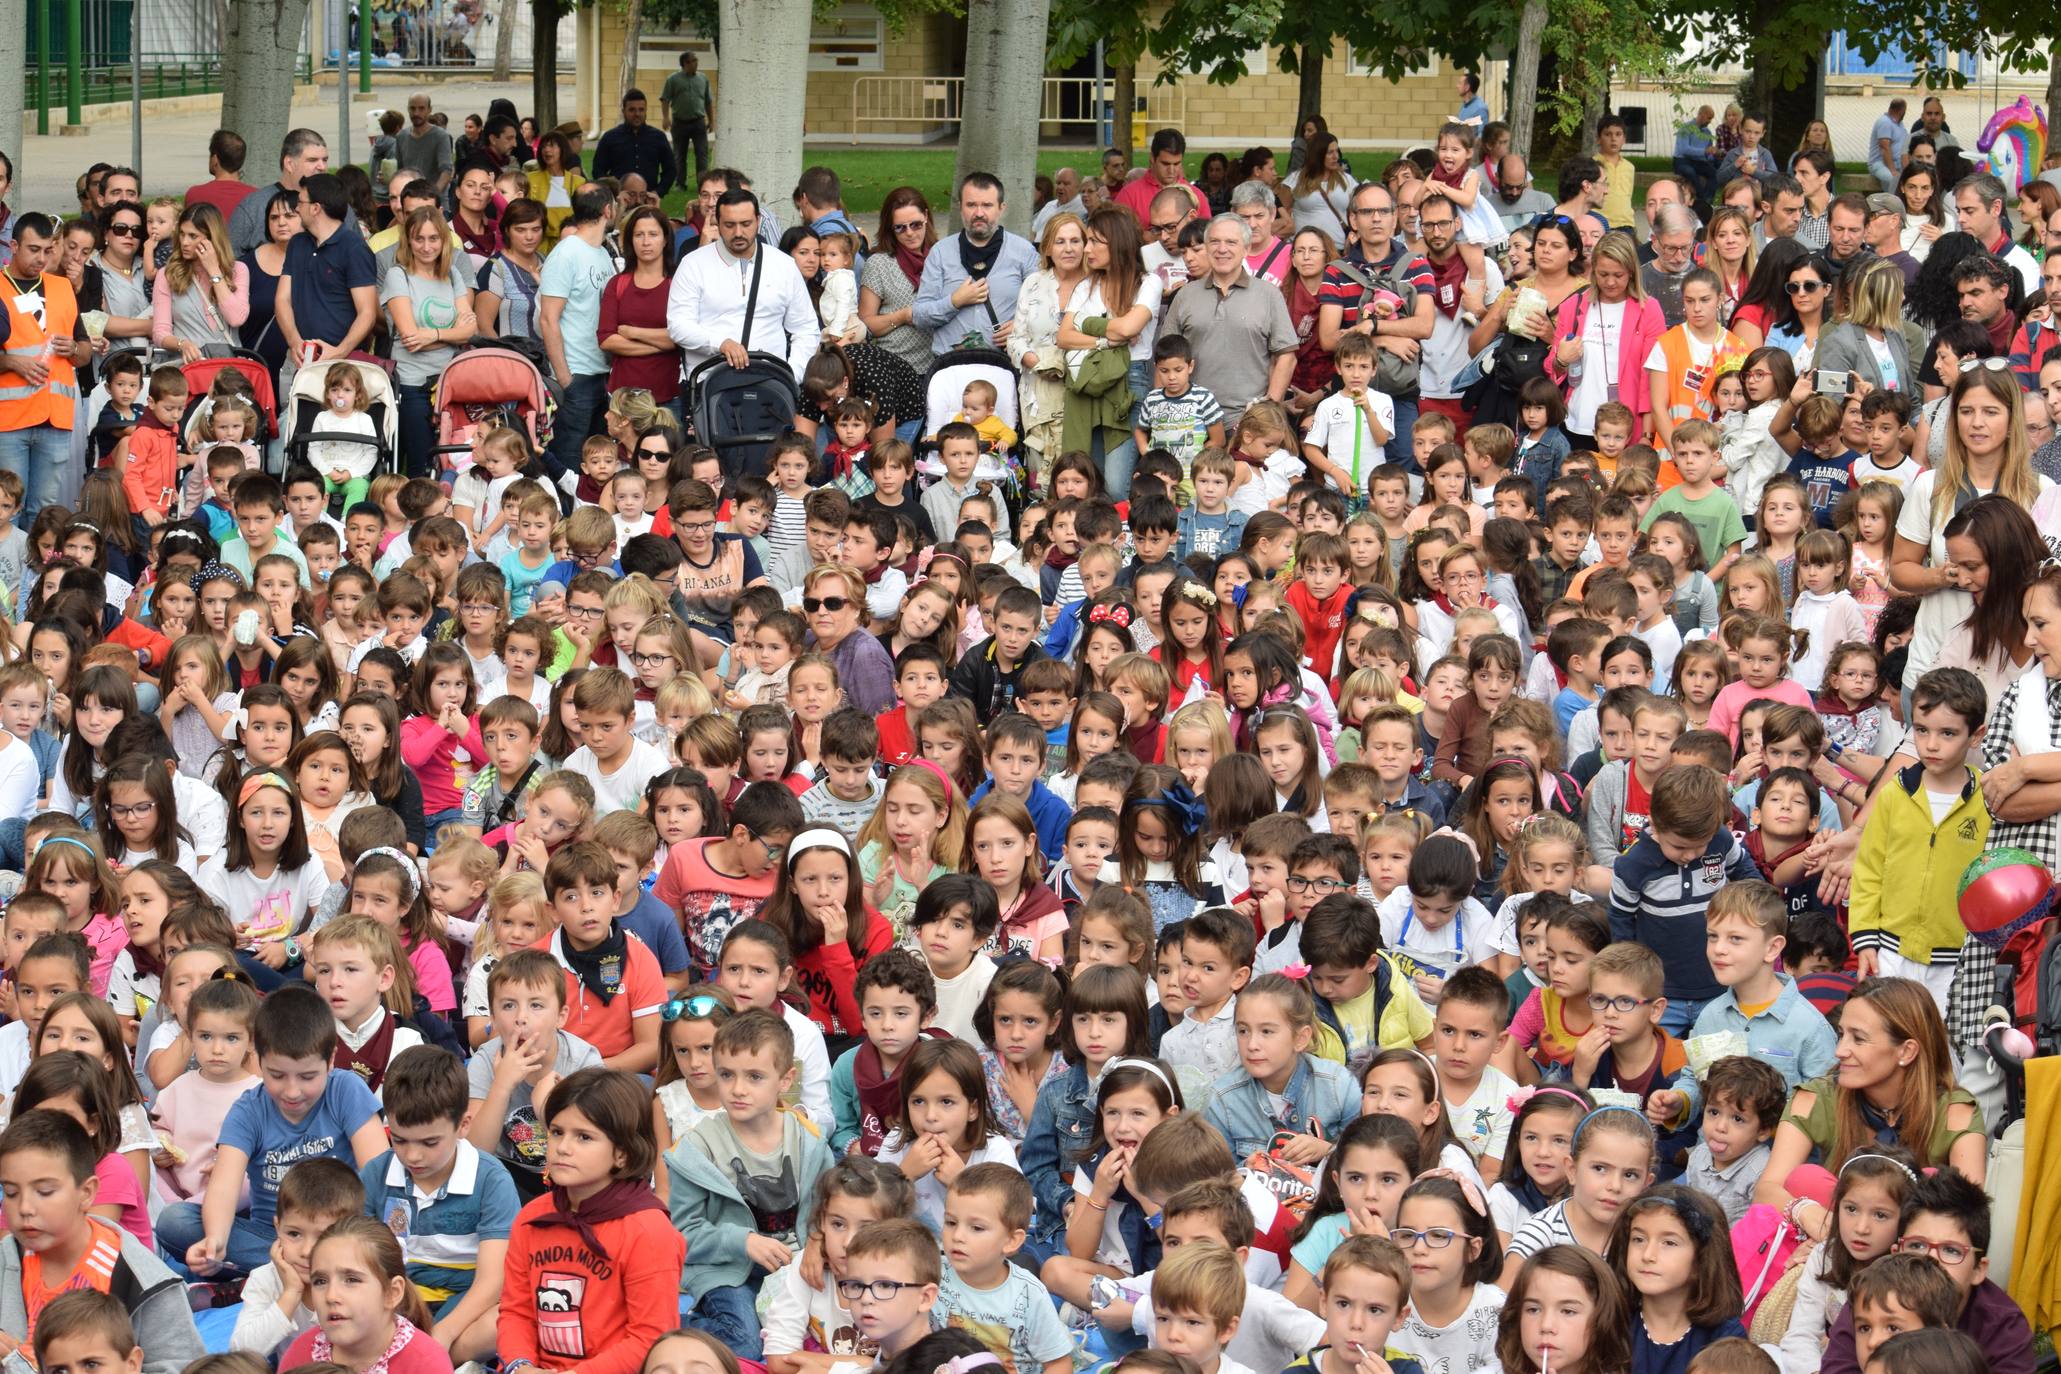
[2005, 900]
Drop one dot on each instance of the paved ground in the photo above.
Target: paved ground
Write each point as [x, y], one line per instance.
[175, 145]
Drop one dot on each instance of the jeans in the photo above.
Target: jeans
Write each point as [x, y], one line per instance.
[690, 133]
[730, 1314]
[1398, 448]
[418, 429]
[1700, 173]
[250, 1241]
[579, 415]
[38, 456]
[436, 822]
[1680, 1016]
[1120, 462]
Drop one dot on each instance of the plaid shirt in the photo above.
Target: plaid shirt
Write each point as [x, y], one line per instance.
[1554, 580]
[1975, 980]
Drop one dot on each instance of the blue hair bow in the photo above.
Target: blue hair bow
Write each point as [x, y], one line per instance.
[1188, 810]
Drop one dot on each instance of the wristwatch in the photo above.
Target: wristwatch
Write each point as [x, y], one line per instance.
[215, 279]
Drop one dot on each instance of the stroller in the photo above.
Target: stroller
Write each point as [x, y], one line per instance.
[944, 389]
[740, 411]
[486, 386]
[308, 399]
[200, 380]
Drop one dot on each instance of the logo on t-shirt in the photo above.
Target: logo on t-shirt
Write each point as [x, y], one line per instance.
[558, 1300]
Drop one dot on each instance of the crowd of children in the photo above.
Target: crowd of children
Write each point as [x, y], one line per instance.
[1311, 914]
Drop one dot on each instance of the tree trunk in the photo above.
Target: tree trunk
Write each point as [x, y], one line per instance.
[544, 62]
[504, 40]
[1524, 76]
[261, 53]
[761, 97]
[14, 19]
[633, 36]
[1309, 86]
[1594, 107]
[998, 116]
[1123, 104]
[1791, 109]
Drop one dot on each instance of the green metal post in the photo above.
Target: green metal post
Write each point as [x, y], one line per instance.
[43, 68]
[365, 47]
[74, 77]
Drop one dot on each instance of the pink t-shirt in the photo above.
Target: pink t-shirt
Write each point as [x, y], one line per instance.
[106, 937]
[433, 977]
[709, 900]
[1732, 699]
[119, 1188]
[190, 1110]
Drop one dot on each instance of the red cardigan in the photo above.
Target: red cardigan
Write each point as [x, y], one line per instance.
[826, 972]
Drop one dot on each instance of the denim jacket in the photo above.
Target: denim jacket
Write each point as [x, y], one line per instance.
[1319, 1089]
[1061, 1125]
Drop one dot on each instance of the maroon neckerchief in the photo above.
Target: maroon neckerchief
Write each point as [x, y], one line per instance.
[1055, 558]
[623, 1198]
[1447, 279]
[370, 1061]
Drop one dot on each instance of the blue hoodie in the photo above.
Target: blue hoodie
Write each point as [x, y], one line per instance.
[1048, 813]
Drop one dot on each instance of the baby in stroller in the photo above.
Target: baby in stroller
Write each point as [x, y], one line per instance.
[978, 408]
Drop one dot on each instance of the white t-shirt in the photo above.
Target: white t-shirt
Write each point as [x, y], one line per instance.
[1903, 474]
[1271, 480]
[1087, 303]
[20, 780]
[1461, 941]
[1465, 1347]
[1483, 1121]
[1602, 333]
[254, 903]
[623, 789]
[1915, 523]
[1339, 427]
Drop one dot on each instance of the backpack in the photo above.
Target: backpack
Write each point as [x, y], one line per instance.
[1762, 1243]
[1393, 375]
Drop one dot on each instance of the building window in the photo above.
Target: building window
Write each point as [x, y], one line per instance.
[1356, 65]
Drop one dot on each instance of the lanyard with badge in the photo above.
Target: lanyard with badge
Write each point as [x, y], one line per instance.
[1459, 946]
[27, 300]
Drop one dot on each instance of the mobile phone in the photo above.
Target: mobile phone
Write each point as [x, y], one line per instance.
[1833, 383]
[1102, 1291]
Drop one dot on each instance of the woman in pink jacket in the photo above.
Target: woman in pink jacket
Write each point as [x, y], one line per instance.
[1602, 335]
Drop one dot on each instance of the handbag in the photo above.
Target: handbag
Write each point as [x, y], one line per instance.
[1393, 374]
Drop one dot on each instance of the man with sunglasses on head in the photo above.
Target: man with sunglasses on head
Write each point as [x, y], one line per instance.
[1350, 300]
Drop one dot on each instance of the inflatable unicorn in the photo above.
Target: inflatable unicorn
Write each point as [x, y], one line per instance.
[2013, 144]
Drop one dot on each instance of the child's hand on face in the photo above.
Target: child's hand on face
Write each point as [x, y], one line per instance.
[1588, 1051]
[1364, 1221]
[289, 1278]
[923, 1157]
[949, 1164]
[1111, 1173]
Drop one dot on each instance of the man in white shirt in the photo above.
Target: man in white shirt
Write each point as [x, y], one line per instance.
[1446, 351]
[705, 311]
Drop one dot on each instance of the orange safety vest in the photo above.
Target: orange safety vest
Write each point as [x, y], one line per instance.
[1685, 402]
[23, 406]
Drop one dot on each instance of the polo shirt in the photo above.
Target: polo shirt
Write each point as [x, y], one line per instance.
[1236, 335]
[443, 1229]
[324, 275]
[607, 1026]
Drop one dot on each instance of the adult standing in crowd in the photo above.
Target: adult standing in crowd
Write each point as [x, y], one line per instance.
[635, 146]
[834, 600]
[265, 264]
[476, 219]
[713, 290]
[1868, 340]
[203, 295]
[1979, 205]
[894, 270]
[1034, 342]
[1236, 324]
[505, 294]
[869, 373]
[1888, 144]
[1674, 257]
[689, 108]
[1254, 202]
[1518, 202]
[554, 179]
[1164, 167]
[642, 353]
[1309, 253]
[428, 302]
[1932, 123]
[1986, 451]
[225, 187]
[1376, 262]
[569, 321]
[1976, 620]
[116, 273]
[1066, 199]
[971, 280]
[39, 386]
[1323, 188]
[302, 154]
[1803, 310]
[423, 147]
[1455, 307]
[1602, 332]
[1113, 307]
[328, 297]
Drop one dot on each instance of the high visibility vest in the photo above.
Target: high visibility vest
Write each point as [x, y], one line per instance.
[1685, 402]
[23, 406]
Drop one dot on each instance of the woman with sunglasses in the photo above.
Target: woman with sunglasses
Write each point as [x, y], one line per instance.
[887, 287]
[1804, 310]
[1753, 315]
[834, 602]
[118, 266]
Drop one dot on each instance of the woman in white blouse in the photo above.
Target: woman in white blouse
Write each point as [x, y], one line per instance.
[1034, 340]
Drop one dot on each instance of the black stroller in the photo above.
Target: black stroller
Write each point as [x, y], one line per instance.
[740, 411]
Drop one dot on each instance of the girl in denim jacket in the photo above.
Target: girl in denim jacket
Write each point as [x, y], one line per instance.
[1105, 1018]
[1277, 1020]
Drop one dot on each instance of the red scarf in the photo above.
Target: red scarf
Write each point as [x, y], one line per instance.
[1447, 278]
[910, 260]
[622, 1198]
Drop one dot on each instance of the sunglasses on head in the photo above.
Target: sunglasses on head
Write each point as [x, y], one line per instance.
[1986, 364]
[1797, 288]
[813, 604]
[695, 1008]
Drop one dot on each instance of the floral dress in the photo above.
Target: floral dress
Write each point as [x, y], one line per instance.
[1008, 1120]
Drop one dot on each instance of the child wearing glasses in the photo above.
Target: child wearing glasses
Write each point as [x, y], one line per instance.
[1627, 1050]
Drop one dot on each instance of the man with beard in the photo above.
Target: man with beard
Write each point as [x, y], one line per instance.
[971, 280]
[1518, 202]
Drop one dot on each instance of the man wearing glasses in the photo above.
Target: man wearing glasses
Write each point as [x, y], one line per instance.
[1172, 211]
[1446, 351]
[1377, 262]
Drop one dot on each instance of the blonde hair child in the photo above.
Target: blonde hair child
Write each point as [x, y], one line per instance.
[1549, 853]
[1115, 927]
[936, 812]
[1197, 735]
[1387, 840]
[518, 916]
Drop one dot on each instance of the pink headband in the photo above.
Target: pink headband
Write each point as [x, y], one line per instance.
[942, 776]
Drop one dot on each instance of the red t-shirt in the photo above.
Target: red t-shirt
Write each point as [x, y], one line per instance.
[223, 195]
[897, 741]
[608, 1028]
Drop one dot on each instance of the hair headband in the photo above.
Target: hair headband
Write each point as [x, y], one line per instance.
[1583, 1124]
[1694, 1219]
[250, 785]
[1909, 1173]
[407, 867]
[1147, 1065]
[79, 843]
[1432, 1069]
[215, 572]
[818, 838]
[940, 774]
[1517, 1101]
[966, 1364]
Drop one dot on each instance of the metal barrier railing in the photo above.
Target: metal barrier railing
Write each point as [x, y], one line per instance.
[935, 101]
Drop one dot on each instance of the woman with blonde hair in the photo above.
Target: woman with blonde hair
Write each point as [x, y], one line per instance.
[1986, 451]
[1607, 329]
[430, 306]
[206, 291]
[1728, 251]
[1868, 341]
[1034, 339]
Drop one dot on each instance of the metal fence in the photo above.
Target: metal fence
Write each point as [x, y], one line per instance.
[447, 34]
[925, 103]
[79, 52]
